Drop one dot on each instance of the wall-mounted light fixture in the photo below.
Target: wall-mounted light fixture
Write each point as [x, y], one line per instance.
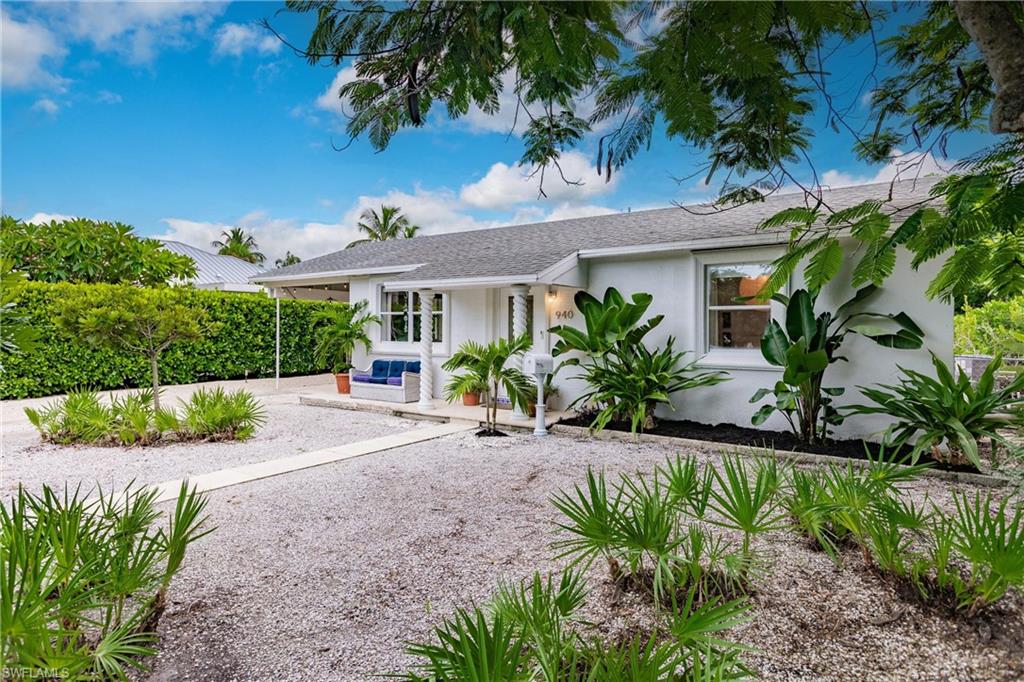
[552, 295]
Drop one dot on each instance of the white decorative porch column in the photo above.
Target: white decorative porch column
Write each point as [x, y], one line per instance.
[519, 294]
[426, 349]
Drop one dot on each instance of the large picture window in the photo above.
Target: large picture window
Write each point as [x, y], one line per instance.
[400, 315]
[733, 323]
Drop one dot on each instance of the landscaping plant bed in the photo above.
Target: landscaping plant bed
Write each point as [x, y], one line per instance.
[758, 438]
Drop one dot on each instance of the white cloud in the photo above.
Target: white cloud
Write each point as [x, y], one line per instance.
[902, 166]
[47, 218]
[108, 97]
[505, 185]
[45, 105]
[329, 99]
[28, 52]
[237, 39]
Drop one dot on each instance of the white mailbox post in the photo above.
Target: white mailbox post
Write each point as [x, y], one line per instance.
[539, 365]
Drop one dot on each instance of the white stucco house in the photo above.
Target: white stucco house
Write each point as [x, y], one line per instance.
[489, 283]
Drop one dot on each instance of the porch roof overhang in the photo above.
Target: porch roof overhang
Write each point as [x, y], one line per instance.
[330, 277]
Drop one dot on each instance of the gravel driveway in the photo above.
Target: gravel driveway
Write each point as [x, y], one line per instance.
[322, 574]
[290, 429]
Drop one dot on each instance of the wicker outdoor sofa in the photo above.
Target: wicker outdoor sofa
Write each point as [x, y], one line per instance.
[393, 381]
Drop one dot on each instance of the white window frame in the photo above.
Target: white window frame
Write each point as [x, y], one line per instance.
[384, 346]
[729, 358]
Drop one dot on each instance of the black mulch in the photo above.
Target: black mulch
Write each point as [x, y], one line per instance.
[779, 440]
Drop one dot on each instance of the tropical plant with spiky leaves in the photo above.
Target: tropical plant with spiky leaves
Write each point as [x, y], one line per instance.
[85, 579]
[625, 379]
[946, 410]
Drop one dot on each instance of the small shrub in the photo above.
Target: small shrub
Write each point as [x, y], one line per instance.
[208, 414]
[85, 580]
[215, 414]
[992, 329]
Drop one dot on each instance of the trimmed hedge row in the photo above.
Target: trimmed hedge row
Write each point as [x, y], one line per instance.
[242, 345]
[996, 327]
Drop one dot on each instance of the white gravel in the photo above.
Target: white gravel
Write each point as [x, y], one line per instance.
[323, 574]
[290, 429]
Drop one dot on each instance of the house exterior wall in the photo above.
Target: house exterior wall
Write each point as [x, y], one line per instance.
[676, 283]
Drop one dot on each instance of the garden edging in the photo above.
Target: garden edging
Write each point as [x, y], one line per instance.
[990, 480]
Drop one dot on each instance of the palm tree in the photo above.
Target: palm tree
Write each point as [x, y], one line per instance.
[339, 329]
[289, 259]
[240, 244]
[390, 223]
[484, 366]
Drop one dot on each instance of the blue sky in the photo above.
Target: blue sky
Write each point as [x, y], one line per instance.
[183, 119]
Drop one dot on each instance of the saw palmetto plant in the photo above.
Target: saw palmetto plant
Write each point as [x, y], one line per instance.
[85, 579]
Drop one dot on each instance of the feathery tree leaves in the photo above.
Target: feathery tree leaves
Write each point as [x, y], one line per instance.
[739, 81]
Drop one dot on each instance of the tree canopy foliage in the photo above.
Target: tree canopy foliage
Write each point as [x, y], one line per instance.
[89, 252]
[143, 320]
[743, 83]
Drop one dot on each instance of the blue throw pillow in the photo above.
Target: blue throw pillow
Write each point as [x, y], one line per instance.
[413, 367]
[397, 367]
[380, 368]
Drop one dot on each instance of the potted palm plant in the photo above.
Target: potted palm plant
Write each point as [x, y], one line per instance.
[339, 329]
[483, 367]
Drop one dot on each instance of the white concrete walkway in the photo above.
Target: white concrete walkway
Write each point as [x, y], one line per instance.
[168, 490]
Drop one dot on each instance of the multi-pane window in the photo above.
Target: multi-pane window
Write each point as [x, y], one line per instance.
[400, 313]
[734, 319]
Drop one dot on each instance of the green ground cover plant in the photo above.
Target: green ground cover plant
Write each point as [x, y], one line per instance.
[240, 345]
[84, 580]
[660, 534]
[133, 419]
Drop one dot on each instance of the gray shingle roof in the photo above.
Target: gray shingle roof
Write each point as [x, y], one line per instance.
[212, 268]
[526, 250]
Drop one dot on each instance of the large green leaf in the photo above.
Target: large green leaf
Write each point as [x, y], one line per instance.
[774, 344]
[800, 321]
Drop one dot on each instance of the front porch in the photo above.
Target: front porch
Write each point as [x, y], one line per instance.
[441, 411]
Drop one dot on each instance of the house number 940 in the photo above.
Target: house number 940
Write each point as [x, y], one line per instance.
[564, 314]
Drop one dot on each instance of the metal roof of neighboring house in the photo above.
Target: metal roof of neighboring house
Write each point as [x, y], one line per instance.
[212, 268]
[528, 250]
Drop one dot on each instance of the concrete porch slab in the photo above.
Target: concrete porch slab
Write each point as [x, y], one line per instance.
[442, 412]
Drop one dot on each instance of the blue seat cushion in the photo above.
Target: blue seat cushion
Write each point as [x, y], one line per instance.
[394, 381]
[380, 368]
[377, 380]
[362, 378]
[397, 367]
[413, 366]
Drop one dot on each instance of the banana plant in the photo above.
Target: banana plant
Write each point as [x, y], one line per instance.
[807, 344]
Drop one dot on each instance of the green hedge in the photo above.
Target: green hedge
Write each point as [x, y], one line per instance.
[996, 327]
[243, 345]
